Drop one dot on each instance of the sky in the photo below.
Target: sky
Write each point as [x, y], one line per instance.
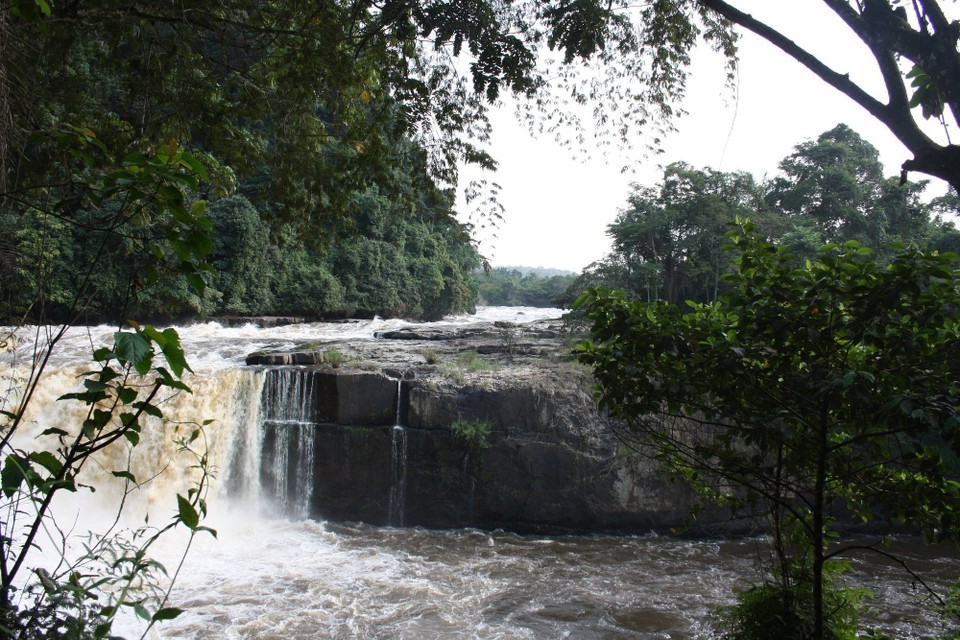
[557, 208]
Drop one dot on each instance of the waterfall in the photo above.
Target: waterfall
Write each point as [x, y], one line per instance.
[288, 425]
[398, 467]
[228, 401]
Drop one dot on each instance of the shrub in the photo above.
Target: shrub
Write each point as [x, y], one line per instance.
[474, 432]
[471, 361]
[333, 357]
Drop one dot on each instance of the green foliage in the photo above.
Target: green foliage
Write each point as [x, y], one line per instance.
[242, 256]
[671, 237]
[510, 287]
[667, 242]
[401, 266]
[81, 596]
[333, 357]
[771, 611]
[801, 391]
[475, 433]
[471, 361]
[950, 610]
[467, 362]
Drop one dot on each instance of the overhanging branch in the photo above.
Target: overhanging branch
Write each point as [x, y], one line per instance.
[942, 161]
[839, 81]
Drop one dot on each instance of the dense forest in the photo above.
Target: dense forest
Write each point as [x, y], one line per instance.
[382, 259]
[522, 286]
[669, 241]
[161, 165]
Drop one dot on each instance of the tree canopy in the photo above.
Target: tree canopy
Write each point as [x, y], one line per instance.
[814, 395]
[668, 240]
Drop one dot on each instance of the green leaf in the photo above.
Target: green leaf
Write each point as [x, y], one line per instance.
[212, 532]
[155, 334]
[195, 165]
[13, 474]
[127, 395]
[134, 349]
[141, 611]
[173, 352]
[188, 515]
[48, 461]
[196, 281]
[89, 397]
[126, 475]
[94, 385]
[149, 409]
[168, 613]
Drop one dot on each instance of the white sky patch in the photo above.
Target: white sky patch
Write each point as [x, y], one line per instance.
[558, 207]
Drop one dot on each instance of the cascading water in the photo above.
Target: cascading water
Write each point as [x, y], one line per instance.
[398, 466]
[288, 440]
[296, 578]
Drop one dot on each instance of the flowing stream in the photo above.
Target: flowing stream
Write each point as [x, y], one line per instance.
[272, 574]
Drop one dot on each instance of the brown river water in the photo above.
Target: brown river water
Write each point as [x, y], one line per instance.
[265, 578]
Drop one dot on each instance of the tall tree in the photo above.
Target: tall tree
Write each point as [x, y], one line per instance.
[831, 184]
[670, 236]
[802, 392]
[834, 187]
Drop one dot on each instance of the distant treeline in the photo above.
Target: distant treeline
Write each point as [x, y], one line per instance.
[522, 286]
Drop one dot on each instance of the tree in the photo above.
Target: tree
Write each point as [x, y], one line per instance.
[834, 186]
[670, 236]
[240, 255]
[832, 183]
[896, 32]
[815, 395]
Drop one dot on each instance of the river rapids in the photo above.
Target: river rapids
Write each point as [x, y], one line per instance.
[267, 577]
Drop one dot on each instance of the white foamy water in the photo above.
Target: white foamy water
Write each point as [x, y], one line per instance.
[210, 346]
[280, 580]
[270, 578]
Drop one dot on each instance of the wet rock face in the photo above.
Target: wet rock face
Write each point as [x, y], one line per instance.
[541, 457]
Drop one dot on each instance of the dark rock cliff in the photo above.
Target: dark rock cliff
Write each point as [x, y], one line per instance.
[512, 441]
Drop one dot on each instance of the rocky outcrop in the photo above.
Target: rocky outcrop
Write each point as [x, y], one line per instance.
[509, 440]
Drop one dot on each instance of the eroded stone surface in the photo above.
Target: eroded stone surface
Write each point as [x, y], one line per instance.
[547, 462]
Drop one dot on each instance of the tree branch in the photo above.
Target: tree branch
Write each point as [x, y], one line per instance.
[889, 37]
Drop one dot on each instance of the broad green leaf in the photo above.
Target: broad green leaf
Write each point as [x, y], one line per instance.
[141, 611]
[13, 474]
[48, 461]
[188, 515]
[149, 409]
[168, 613]
[134, 349]
[127, 395]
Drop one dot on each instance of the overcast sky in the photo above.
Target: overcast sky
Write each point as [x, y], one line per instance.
[558, 208]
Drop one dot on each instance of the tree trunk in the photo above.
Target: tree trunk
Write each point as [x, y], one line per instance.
[818, 521]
